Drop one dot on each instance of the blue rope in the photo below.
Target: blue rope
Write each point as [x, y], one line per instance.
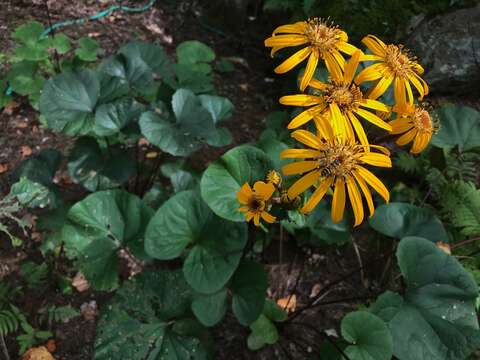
[97, 16]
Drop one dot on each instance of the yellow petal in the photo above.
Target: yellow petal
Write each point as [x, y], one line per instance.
[355, 200]
[296, 28]
[374, 119]
[324, 128]
[299, 167]
[374, 182]
[375, 105]
[299, 154]
[244, 194]
[351, 67]
[303, 184]
[409, 92]
[377, 46]
[400, 125]
[286, 40]
[346, 48]
[305, 116]
[376, 159]
[338, 203]
[317, 84]
[256, 219]
[407, 137]
[293, 60]
[301, 100]
[371, 73]
[362, 137]
[420, 143]
[307, 138]
[348, 127]
[370, 57]
[310, 69]
[333, 67]
[263, 189]
[244, 209]
[249, 215]
[419, 84]
[318, 194]
[399, 91]
[381, 86]
[337, 119]
[267, 217]
[366, 193]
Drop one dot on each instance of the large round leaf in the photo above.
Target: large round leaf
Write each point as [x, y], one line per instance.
[193, 51]
[100, 225]
[436, 318]
[248, 286]
[217, 244]
[223, 179]
[97, 170]
[369, 336]
[137, 323]
[111, 118]
[401, 219]
[210, 309]
[68, 101]
[459, 126]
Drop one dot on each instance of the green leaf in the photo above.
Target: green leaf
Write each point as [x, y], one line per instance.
[220, 108]
[436, 317]
[111, 118]
[31, 194]
[459, 126]
[225, 65]
[39, 168]
[274, 312]
[68, 101]
[322, 228]
[401, 219]
[61, 43]
[32, 47]
[192, 51]
[369, 336]
[193, 78]
[223, 179]
[137, 323]
[100, 225]
[88, 49]
[249, 285]
[210, 309]
[273, 148]
[218, 244]
[97, 170]
[28, 33]
[23, 78]
[263, 332]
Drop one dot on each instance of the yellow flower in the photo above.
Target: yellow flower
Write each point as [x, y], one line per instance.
[395, 66]
[340, 101]
[323, 41]
[255, 202]
[274, 178]
[415, 124]
[339, 163]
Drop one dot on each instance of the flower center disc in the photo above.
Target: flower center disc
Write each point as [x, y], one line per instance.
[338, 159]
[345, 96]
[423, 121]
[256, 204]
[320, 35]
[398, 62]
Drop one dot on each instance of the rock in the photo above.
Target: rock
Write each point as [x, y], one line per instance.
[448, 47]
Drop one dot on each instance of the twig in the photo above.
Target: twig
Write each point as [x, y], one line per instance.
[4, 348]
[55, 53]
[465, 242]
[357, 252]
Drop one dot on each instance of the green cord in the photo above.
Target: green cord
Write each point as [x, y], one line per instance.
[96, 16]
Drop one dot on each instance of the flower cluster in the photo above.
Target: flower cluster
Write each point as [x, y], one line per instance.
[336, 149]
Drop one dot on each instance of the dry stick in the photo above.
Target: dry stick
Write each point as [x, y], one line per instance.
[330, 285]
[297, 281]
[465, 242]
[55, 53]
[325, 336]
[4, 348]
[357, 252]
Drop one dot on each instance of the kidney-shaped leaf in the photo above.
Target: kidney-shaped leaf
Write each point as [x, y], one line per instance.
[248, 286]
[222, 179]
[217, 244]
[136, 324]
[402, 219]
[369, 336]
[68, 101]
[436, 318]
[193, 51]
[210, 309]
[111, 118]
[99, 226]
[459, 126]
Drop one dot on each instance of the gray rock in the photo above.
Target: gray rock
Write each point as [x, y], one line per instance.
[448, 47]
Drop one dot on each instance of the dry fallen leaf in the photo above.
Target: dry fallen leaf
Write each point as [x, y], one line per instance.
[288, 303]
[244, 87]
[80, 283]
[315, 290]
[151, 155]
[25, 150]
[3, 168]
[444, 246]
[8, 109]
[38, 353]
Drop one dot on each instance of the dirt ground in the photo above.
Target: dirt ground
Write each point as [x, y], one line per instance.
[253, 90]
